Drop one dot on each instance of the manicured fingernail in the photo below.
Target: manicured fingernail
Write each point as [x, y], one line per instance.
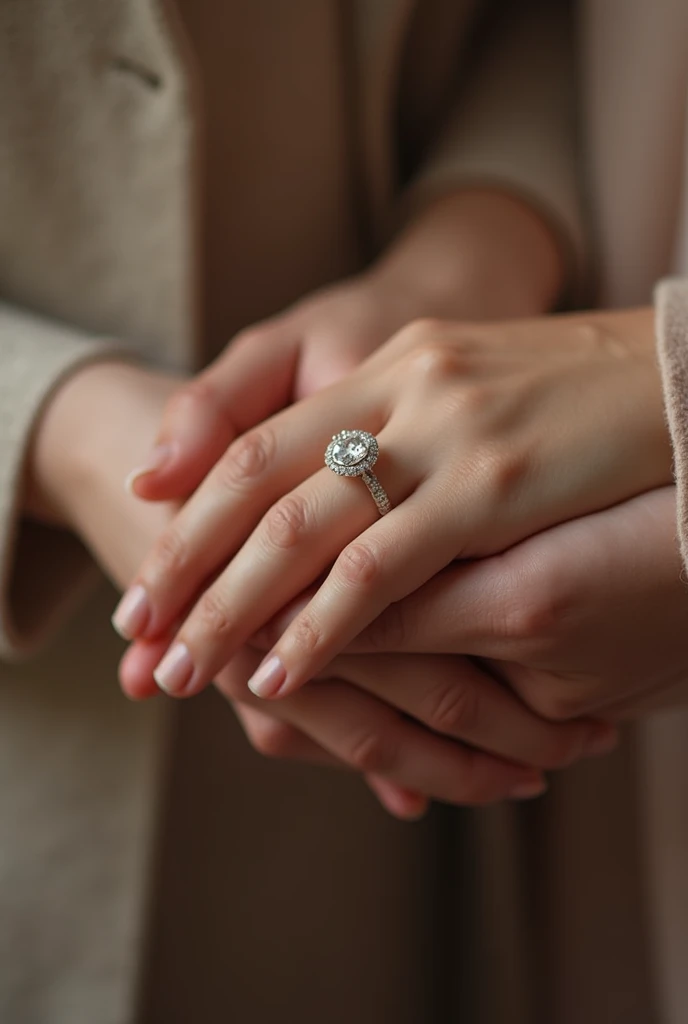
[132, 613]
[603, 741]
[529, 789]
[175, 670]
[158, 458]
[268, 677]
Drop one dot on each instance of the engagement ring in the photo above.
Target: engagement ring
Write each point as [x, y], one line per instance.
[354, 453]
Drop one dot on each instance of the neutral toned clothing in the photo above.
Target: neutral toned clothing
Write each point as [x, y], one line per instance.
[279, 891]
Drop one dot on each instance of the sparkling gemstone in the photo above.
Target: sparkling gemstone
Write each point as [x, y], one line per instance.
[351, 451]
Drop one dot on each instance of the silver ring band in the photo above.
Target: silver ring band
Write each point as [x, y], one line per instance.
[354, 453]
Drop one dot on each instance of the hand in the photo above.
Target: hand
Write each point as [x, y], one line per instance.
[100, 418]
[397, 719]
[105, 414]
[474, 255]
[484, 442]
[98, 421]
[587, 618]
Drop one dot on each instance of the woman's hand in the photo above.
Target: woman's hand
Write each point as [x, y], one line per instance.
[587, 618]
[417, 726]
[100, 418]
[473, 255]
[488, 434]
[104, 415]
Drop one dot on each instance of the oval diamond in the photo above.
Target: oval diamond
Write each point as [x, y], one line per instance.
[350, 451]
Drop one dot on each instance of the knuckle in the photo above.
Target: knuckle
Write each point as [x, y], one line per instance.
[433, 361]
[170, 553]
[212, 616]
[193, 394]
[285, 522]
[272, 738]
[501, 471]
[530, 622]
[359, 565]
[306, 635]
[370, 752]
[420, 331]
[248, 458]
[556, 704]
[453, 710]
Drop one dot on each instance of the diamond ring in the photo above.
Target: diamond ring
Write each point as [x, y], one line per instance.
[354, 453]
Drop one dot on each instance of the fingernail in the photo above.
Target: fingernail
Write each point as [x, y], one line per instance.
[268, 677]
[602, 741]
[156, 460]
[529, 789]
[175, 670]
[132, 613]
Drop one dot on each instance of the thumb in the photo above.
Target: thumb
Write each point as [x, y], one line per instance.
[252, 379]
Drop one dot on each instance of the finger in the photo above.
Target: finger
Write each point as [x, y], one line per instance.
[298, 538]
[260, 467]
[502, 606]
[456, 698]
[268, 635]
[136, 668]
[395, 556]
[369, 736]
[401, 803]
[251, 380]
[372, 738]
[276, 739]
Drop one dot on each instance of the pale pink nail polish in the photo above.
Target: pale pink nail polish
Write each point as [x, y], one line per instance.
[268, 677]
[158, 458]
[132, 613]
[175, 670]
[528, 789]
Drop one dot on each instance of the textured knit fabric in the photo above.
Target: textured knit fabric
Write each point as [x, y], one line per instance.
[672, 334]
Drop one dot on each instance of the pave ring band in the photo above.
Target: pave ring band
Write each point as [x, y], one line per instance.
[354, 453]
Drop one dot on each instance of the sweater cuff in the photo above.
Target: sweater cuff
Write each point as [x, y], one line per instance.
[43, 569]
[671, 304]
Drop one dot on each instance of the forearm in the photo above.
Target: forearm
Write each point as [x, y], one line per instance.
[476, 254]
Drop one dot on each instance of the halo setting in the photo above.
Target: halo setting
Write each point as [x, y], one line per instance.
[351, 452]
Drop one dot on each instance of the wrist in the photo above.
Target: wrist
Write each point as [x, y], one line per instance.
[79, 435]
[476, 254]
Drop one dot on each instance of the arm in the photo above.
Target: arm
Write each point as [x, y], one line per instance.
[512, 127]
[43, 567]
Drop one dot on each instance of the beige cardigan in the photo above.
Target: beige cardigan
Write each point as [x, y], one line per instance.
[98, 126]
[97, 240]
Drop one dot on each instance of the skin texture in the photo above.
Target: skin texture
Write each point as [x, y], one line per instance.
[344, 719]
[586, 618]
[337, 724]
[473, 255]
[494, 408]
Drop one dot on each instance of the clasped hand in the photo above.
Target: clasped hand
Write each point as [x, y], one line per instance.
[483, 444]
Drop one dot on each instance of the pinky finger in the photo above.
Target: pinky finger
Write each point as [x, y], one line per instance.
[273, 738]
[405, 804]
